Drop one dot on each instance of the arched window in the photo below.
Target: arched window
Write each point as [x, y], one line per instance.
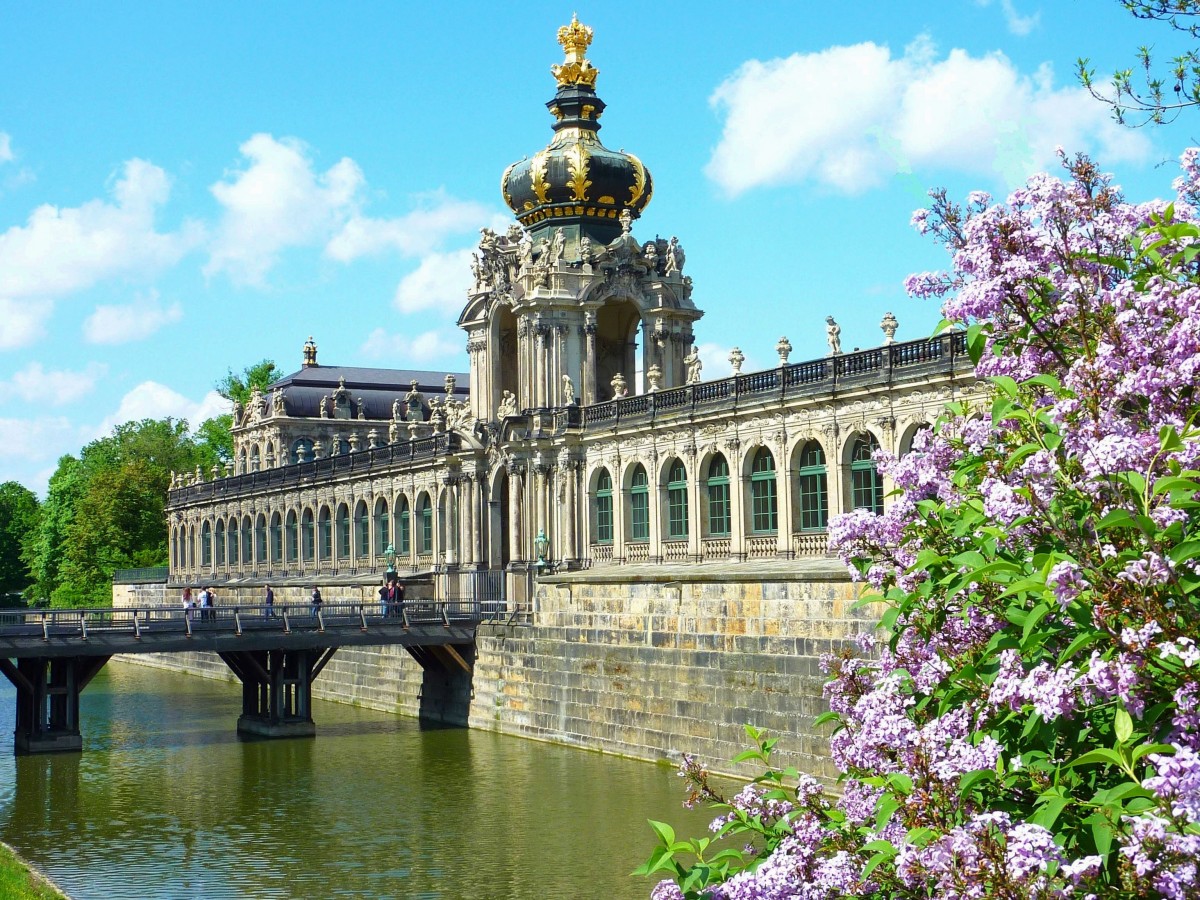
[639, 505]
[324, 534]
[866, 487]
[276, 539]
[220, 542]
[425, 524]
[247, 543]
[255, 462]
[362, 528]
[764, 505]
[206, 544]
[677, 502]
[604, 508]
[343, 532]
[174, 549]
[814, 488]
[234, 543]
[302, 450]
[260, 539]
[269, 456]
[718, 497]
[403, 528]
[382, 536]
[293, 535]
[241, 468]
[308, 549]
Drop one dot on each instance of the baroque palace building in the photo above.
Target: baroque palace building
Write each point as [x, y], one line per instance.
[584, 433]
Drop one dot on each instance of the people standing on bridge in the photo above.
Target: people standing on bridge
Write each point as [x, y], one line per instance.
[315, 601]
[398, 599]
[212, 604]
[205, 603]
[187, 603]
[385, 597]
[270, 600]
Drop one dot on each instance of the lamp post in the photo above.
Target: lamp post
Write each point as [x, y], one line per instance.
[541, 543]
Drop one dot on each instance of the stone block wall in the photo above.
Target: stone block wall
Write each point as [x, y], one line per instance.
[647, 662]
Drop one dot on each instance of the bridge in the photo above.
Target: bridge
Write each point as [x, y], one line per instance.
[50, 656]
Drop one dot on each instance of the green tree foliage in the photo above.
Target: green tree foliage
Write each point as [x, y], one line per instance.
[1158, 93]
[216, 433]
[18, 518]
[105, 510]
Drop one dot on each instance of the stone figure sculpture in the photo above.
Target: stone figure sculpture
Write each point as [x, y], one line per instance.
[568, 391]
[619, 388]
[694, 365]
[508, 405]
[833, 336]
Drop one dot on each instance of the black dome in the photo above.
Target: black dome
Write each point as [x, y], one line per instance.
[576, 179]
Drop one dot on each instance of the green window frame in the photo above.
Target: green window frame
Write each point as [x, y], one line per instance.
[206, 544]
[219, 542]
[362, 527]
[639, 505]
[813, 488]
[308, 534]
[764, 502]
[247, 542]
[324, 534]
[276, 539]
[260, 534]
[343, 532]
[234, 542]
[293, 536]
[720, 522]
[866, 484]
[425, 513]
[677, 502]
[403, 528]
[604, 508]
[382, 527]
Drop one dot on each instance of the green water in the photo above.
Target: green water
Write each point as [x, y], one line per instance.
[166, 802]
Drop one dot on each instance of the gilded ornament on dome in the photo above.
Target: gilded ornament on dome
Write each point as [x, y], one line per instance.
[537, 176]
[575, 38]
[504, 185]
[577, 165]
[639, 180]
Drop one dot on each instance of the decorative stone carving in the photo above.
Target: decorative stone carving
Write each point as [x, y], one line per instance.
[675, 258]
[362, 409]
[568, 391]
[694, 365]
[508, 405]
[784, 349]
[372, 439]
[833, 336]
[413, 401]
[619, 388]
[889, 326]
[277, 407]
[654, 377]
[736, 358]
[323, 406]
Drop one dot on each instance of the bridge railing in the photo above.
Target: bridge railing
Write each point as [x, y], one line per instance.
[50, 623]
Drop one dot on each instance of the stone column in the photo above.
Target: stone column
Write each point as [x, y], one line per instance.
[657, 501]
[589, 359]
[516, 500]
[695, 507]
[738, 513]
[785, 491]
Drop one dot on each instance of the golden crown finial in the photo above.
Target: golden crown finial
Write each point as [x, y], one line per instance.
[575, 70]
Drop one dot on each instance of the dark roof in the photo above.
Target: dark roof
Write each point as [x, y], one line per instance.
[373, 379]
[377, 388]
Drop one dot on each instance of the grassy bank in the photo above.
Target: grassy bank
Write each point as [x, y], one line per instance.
[19, 882]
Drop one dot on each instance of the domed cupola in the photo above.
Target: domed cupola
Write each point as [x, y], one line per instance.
[576, 183]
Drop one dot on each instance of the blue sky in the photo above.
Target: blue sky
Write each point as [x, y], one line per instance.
[189, 188]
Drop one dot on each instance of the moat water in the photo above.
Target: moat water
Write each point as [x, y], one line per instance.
[166, 802]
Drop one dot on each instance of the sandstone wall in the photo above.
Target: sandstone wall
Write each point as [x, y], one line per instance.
[637, 661]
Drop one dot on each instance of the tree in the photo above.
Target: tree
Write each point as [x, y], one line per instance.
[1026, 724]
[217, 433]
[18, 518]
[1162, 99]
[44, 549]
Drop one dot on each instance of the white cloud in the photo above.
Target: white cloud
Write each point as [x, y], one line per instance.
[22, 321]
[34, 384]
[278, 201]
[129, 322]
[1017, 24]
[45, 437]
[6, 153]
[851, 117]
[412, 234]
[61, 251]
[402, 351]
[151, 400]
[439, 282]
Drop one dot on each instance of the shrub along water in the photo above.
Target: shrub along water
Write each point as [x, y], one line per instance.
[1026, 723]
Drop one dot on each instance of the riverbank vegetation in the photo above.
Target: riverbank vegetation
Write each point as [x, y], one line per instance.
[19, 882]
[104, 509]
[1027, 721]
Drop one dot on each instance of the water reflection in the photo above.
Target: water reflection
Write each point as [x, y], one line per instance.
[166, 802]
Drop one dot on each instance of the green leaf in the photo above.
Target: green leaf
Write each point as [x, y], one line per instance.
[1099, 755]
[1047, 813]
[1142, 749]
[662, 858]
[878, 859]
[665, 832]
[1123, 725]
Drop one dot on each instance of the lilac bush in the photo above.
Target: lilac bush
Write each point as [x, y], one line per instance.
[1026, 723]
